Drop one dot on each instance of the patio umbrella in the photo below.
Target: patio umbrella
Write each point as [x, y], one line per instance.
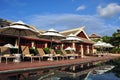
[18, 29]
[72, 38]
[69, 48]
[103, 44]
[108, 45]
[100, 45]
[9, 45]
[52, 34]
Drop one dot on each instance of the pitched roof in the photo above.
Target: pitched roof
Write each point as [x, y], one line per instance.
[87, 41]
[94, 36]
[75, 31]
[78, 32]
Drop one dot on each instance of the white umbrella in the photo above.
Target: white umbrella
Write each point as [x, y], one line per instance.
[108, 45]
[71, 51]
[18, 29]
[72, 38]
[69, 48]
[52, 33]
[9, 45]
[100, 44]
[103, 44]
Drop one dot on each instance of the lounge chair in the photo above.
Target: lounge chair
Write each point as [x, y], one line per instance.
[5, 51]
[71, 54]
[42, 54]
[66, 54]
[55, 55]
[26, 53]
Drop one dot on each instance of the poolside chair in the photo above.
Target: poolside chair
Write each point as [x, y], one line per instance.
[66, 54]
[26, 53]
[75, 54]
[42, 54]
[5, 51]
[55, 55]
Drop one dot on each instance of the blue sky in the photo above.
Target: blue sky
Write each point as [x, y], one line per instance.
[98, 16]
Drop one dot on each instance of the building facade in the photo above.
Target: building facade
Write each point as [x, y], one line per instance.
[83, 47]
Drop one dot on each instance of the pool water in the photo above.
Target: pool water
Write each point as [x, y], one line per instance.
[110, 75]
[105, 76]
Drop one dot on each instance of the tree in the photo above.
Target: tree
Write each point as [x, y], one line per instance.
[117, 34]
[106, 39]
[114, 40]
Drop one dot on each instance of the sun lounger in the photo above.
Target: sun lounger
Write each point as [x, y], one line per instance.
[26, 53]
[70, 54]
[55, 55]
[5, 51]
[66, 54]
[42, 53]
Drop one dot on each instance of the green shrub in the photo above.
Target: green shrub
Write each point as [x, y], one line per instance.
[47, 50]
[68, 51]
[115, 50]
[33, 51]
[58, 52]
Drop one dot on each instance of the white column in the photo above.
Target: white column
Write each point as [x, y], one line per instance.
[46, 45]
[62, 46]
[81, 51]
[32, 44]
[73, 45]
[92, 49]
[88, 50]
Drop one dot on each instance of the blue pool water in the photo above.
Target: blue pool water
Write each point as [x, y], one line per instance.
[105, 76]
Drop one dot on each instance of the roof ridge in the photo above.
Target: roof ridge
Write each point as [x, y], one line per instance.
[79, 28]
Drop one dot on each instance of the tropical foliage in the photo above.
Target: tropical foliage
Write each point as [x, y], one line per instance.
[47, 50]
[114, 40]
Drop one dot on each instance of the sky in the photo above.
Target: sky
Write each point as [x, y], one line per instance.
[101, 17]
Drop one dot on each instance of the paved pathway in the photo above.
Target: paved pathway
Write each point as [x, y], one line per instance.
[45, 64]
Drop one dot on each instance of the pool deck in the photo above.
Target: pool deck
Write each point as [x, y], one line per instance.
[26, 66]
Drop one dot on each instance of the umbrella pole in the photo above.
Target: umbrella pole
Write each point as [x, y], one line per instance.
[19, 42]
[51, 43]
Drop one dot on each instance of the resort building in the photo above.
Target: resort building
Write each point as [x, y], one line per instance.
[95, 37]
[83, 47]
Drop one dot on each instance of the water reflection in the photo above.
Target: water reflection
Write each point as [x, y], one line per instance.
[109, 75]
[78, 74]
[57, 75]
[63, 75]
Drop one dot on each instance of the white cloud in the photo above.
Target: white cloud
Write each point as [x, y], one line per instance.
[82, 7]
[109, 11]
[60, 22]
